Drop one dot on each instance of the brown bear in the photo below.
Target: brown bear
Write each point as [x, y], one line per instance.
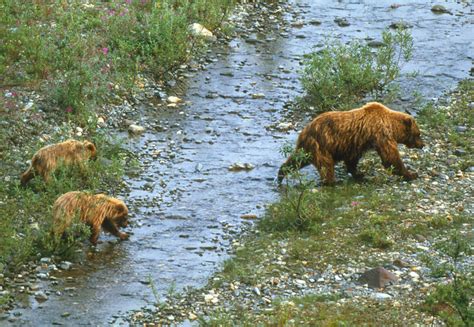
[346, 135]
[48, 158]
[98, 211]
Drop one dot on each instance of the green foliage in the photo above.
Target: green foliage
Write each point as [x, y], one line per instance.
[340, 75]
[453, 301]
[78, 53]
[25, 227]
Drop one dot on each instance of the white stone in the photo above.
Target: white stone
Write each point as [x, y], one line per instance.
[173, 99]
[136, 129]
[200, 31]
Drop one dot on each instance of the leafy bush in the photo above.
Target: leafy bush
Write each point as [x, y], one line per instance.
[339, 75]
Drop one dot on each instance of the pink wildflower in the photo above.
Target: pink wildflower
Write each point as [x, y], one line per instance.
[68, 109]
[354, 203]
[105, 51]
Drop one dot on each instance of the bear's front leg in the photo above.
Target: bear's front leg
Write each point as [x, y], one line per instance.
[110, 227]
[388, 152]
[95, 231]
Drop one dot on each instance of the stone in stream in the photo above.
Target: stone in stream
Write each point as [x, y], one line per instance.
[439, 9]
[41, 296]
[341, 22]
[378, 277]
[136, 129]
[238, 166]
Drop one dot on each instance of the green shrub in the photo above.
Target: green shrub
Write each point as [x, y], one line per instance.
[339, 76]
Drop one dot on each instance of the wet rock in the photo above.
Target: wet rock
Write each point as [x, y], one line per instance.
[315, 22]
[258, 96]
[378, 277]
[461, 129]
[238, 166]
[400, 25]
[439, 9]
[200, 31]
[341, 22]
[192, 316]
[249, 216]
[173, 99]
[284, 127]
[41, 296]
[375, 44]
[136, 129]
[298, 24]
[65, 265]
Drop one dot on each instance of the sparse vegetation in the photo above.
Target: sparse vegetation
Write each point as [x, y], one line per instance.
[340, 75]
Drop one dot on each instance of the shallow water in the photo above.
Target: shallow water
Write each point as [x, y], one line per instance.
[186, 204]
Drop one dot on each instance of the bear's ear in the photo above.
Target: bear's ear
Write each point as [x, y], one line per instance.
[408, 122]
[120, 208]
[90, 146]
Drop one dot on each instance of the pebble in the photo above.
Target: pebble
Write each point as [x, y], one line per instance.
[40, 296]
[136, 129]
[381, 296]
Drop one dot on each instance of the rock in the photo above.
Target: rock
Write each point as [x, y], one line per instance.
[45, 260]
[375, 44]
[34, 287]
[400, 263]
[439, 9]
[41, 296]
[284, 126]
[192, 316]
[341, 22]
[298, 23]
[256, 290]
[378, 277]
[258, 96]
[238, 166]
[136, 129]
[381, 296]
[414, 275]
[249, 216]
[315, 22]
[399, 25]
[460, 152]
[65, 265]
[200, 31]
[461, 129]
[173, 99]
[65, 314]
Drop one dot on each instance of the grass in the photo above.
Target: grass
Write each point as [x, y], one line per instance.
[316, 310]
[340, 75]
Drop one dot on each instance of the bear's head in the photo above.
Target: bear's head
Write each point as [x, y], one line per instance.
[120, 213]
[411, 138]
[92, 149]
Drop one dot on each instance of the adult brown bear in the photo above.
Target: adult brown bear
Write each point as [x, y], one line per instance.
[47, 159]
[346, 135]
[98, 211]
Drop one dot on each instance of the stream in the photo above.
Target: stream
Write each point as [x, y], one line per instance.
[186, 205]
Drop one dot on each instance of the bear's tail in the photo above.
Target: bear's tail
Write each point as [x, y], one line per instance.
[291, 164]
[27, 176]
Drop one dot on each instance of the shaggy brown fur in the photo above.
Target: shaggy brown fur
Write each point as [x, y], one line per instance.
[98, 211]
[47, 159]
[346, 135]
